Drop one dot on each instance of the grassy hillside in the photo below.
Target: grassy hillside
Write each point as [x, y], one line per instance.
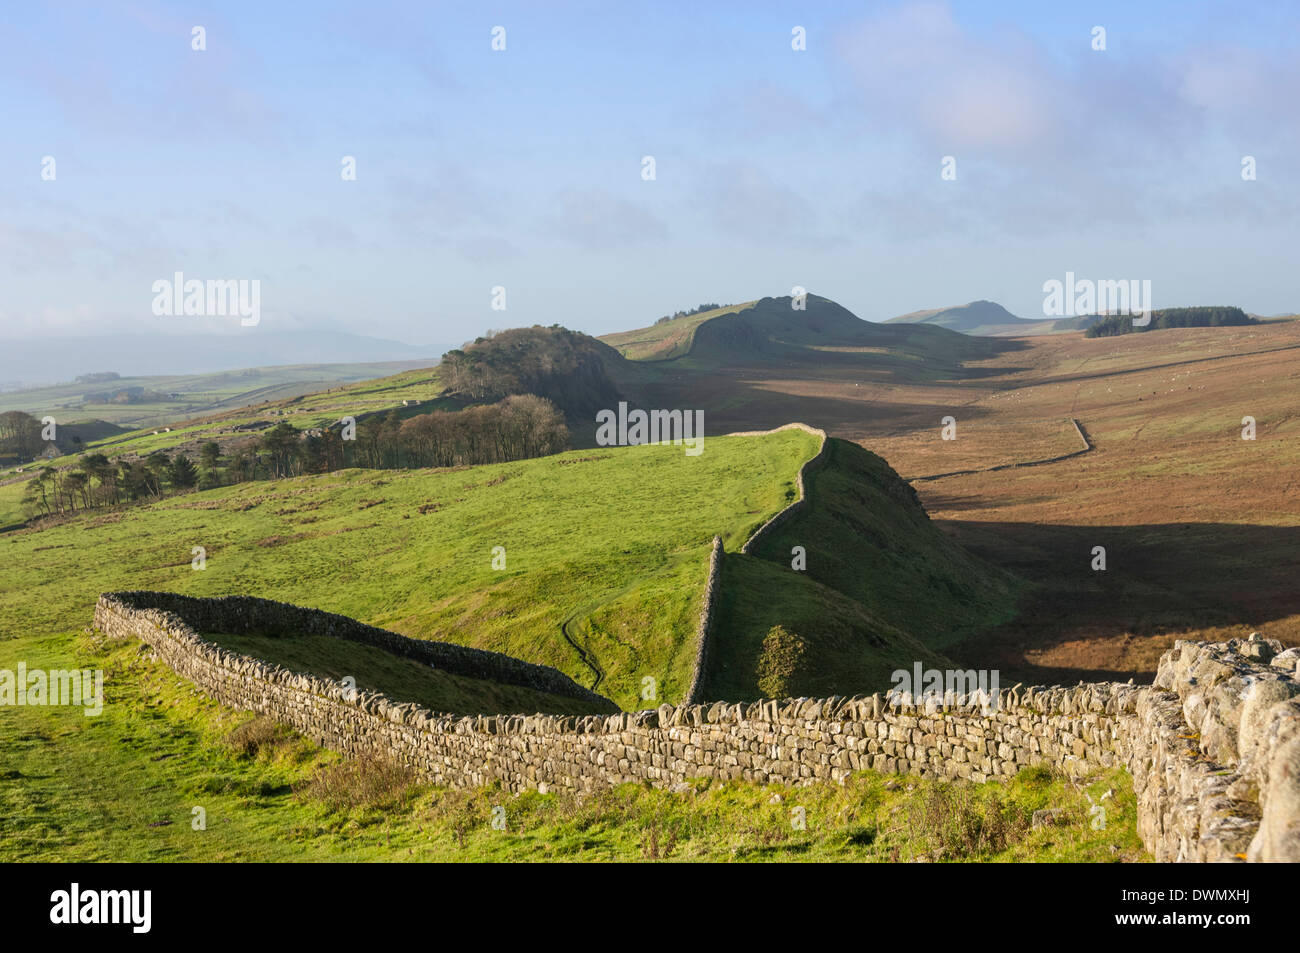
[605, 562]
[883, 588]
[605, 552]
[11, 496]
[124, 786]
[669, 339]
[848, 650]
[420, 388]
[772, 331]
[868, 537]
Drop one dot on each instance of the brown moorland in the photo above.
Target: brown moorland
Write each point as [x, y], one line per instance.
[1201, 528]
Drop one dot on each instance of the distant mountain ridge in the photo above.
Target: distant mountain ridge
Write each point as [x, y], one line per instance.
[975, 317]
[43, 361]
[777, 329]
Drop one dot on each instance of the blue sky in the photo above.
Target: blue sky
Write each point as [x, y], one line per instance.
[522, 168]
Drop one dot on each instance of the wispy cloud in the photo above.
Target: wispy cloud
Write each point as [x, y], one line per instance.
[597, 219]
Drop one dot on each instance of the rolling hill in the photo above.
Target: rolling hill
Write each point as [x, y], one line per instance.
[773, 330]
[870, 549]
[407, 392]
[980, 318]
[668, 339]
[702, 360]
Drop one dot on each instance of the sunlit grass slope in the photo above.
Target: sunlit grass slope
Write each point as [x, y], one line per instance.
[319, 409]
[868, 537]
[661, 342]
[605, 552]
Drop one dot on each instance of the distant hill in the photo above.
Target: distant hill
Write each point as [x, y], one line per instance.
[702, 361]
[665, 340]
[169, 399]
[772, 330]
[978, 317]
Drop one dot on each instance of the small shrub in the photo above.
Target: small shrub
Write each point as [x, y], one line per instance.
[954, 821]
[365, 782]
[778, 662]
[258, 735]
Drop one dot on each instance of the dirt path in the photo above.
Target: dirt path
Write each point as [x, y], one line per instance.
[588, 659]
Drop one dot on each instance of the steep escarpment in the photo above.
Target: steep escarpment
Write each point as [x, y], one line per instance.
[820, 330]
[867, 536]
[854, 573]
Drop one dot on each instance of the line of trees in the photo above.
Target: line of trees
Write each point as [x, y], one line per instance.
[707, 306]
[1206, 317]
[519, 427]
[99, 481]
[516, 428]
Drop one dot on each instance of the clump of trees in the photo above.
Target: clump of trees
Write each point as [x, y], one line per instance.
[565, 367]
[1205, 317]
[99, 482]
[517, 428]
[20, 436]
[714, 306]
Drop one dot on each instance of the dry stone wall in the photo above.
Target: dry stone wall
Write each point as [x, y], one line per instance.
[705, 627]
[184, 616]
[1218, 768]
[704, 630]
[813, 463]
[1213, 746]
